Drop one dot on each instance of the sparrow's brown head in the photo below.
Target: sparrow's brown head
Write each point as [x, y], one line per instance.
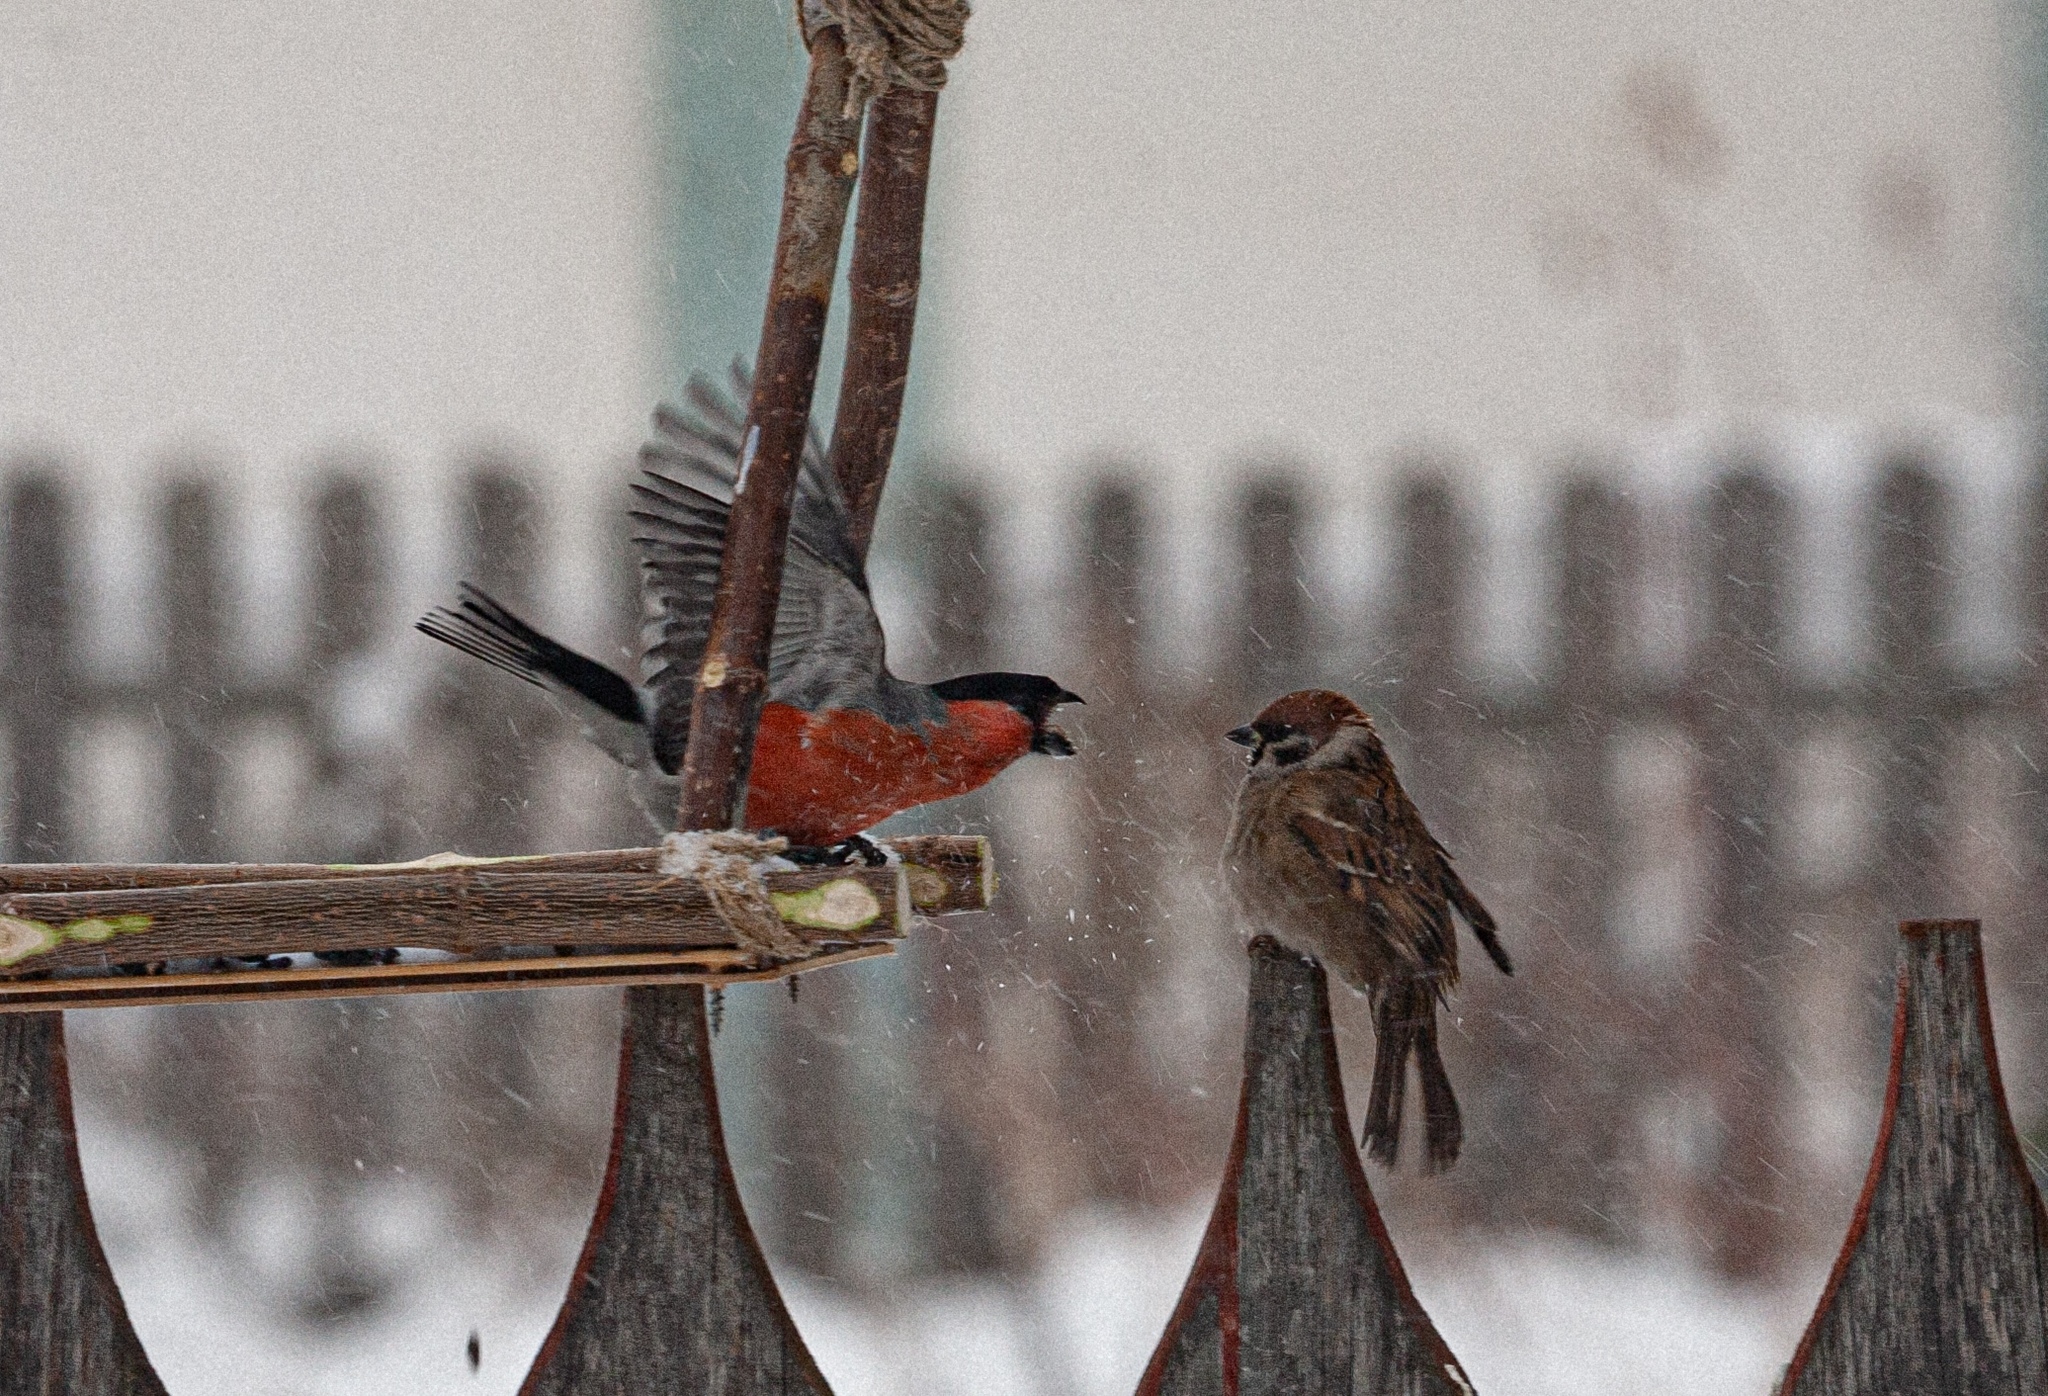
[1313, 722]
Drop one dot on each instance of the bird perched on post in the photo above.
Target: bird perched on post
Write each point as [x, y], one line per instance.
[843, 742]
[1327, 852]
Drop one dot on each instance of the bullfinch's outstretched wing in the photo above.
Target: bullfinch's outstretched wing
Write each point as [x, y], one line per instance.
[827, 648]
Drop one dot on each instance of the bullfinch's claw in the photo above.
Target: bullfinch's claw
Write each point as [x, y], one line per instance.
[840, 855]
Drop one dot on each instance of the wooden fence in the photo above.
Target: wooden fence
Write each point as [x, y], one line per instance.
[1519, 777]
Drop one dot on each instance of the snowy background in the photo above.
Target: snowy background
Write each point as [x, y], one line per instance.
[1209, 301]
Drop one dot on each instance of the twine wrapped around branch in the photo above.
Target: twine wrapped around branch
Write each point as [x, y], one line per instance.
[892, 43]
[723, 861]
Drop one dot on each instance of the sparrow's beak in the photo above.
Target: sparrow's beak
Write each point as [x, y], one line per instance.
[1243, 736]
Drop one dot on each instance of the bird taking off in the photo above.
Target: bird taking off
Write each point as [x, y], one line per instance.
[1327, 853]
[843, 742]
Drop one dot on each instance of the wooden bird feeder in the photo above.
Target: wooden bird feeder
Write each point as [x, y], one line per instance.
[112, 935]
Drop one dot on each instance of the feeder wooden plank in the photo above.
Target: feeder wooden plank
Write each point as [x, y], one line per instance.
[709, 966]
[458, 909]
[962, 872]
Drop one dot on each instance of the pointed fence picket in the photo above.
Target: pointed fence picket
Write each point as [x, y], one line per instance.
[1297, 1286]
[1942, 1282]
[63, 1327]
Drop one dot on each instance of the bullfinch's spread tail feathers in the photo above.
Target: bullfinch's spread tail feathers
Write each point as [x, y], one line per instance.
[843, 742]
[611, 712]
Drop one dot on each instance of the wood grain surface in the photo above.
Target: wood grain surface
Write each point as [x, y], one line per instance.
[1297, 1287]
[671, 1292]
[959, 863]
[456, 909]
[1942, 1282]
[63, 1328]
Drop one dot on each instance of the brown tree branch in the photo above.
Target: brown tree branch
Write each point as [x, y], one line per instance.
[888, 252]
[732, 685]
[464, 910]
[947, 872]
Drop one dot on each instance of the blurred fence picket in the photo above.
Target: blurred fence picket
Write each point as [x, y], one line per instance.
[1739, 722]
[1942, 1281]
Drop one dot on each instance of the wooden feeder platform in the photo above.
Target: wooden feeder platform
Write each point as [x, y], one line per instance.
[86, 935]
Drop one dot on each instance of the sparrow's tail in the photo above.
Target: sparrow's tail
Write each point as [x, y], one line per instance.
[1404, 1021]
[478, 626]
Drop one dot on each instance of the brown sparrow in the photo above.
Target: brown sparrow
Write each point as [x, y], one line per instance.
[1327, 852]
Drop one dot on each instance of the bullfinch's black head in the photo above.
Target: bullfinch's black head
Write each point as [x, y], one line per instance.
[1033, 695]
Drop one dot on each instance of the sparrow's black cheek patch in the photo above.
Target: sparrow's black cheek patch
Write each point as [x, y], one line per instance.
[1292, 750]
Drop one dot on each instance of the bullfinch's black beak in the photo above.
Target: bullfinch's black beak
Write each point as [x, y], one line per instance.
[1243, 736]
[1065, 697]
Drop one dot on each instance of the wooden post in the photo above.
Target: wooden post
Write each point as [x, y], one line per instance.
[496, 772]
[349, 590]
[1441, 735]
[671, 1291]
[1275, 630]
[1127, 821]
[1297, 1287]
[187, 694]
[1909, 601]
[973, 1139]
[1942, 1281]
[63, 1327]
[42, 676]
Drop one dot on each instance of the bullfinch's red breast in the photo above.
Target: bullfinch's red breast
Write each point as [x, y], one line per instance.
[843, 742]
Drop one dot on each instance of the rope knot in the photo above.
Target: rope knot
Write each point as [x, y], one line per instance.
[892, 43]
[723, 861]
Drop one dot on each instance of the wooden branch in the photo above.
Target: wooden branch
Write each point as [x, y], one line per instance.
[1297, 1286]
[732, 685]
[81, 921]
[63, 1327]
[947, 872]
[464, 910]
[882, 286]
[671, 1292]
[1942, 1281]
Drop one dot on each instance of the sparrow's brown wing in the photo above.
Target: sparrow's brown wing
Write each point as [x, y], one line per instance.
[1357, 829]
[1473, 910]
[827, 648]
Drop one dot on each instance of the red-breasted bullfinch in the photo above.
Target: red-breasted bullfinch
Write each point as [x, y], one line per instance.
[843, 742]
